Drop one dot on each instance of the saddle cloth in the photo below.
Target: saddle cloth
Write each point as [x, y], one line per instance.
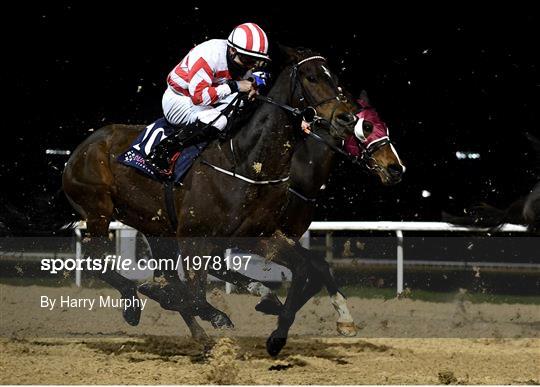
[152, 135]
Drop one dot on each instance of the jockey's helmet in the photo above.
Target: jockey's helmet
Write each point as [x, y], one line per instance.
[249, 39]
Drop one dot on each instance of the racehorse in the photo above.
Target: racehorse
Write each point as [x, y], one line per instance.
[311, 166]
[524, 211]
[211, 203]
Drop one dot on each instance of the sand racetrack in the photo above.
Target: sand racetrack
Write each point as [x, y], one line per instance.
[400, 341]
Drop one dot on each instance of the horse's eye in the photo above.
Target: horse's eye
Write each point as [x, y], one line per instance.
[311, 78]
[367, 127]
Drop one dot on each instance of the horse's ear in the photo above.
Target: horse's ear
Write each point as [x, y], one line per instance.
[364, 99]
[290, 55]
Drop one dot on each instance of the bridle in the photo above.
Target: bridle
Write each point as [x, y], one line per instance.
[295, 82]
[366, 159]
[310, 106]
[310, 109]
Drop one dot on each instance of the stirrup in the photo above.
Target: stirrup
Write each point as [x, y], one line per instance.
[167, 172]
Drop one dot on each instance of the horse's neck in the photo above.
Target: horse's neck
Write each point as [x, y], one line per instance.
[265, 145]
[311, 167]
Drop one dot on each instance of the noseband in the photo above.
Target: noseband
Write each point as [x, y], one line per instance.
[305, 97]
[367, 151]
[366, 159]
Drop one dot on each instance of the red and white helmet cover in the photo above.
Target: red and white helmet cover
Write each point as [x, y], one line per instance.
[249, 39]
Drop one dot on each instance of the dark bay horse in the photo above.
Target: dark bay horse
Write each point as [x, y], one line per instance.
[210, 203]
[524, 211]
[311, 166]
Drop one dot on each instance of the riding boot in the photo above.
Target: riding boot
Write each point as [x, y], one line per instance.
[164, 155]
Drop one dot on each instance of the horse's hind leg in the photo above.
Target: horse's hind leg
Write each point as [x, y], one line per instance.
[196, 277]
[188, 298]
[197, 332]
[163, 248]
[95, 246]
[88, 184]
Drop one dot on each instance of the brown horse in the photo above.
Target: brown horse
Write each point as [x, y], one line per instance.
[210, 203]
[311, 166]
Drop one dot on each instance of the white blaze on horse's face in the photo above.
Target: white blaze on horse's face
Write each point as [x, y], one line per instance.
[397, 157]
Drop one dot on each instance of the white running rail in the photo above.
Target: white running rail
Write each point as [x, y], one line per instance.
[397, 227]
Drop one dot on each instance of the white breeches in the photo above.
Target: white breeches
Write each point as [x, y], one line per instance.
[180, 110]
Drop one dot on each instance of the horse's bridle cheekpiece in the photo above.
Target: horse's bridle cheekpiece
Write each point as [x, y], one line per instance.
[294, 75]
[308, 113]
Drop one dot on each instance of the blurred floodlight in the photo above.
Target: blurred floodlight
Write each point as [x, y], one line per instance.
[462, 155]
[426, 194]
[57, 152]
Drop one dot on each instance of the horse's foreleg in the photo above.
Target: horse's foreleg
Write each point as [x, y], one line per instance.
[293, 303]
[277, 248]
[345, 324]
[268, 304]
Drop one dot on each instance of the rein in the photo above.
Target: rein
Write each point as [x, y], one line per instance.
[309, 114]
[367, 150]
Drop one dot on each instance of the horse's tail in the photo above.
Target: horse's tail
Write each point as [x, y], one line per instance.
[55, 214]
[531, 208]
[46, 214]
[11, 218]
[486, 216]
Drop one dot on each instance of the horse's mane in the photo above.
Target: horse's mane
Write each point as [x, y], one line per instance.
[280, 58]
[279, 65]
[304, 51]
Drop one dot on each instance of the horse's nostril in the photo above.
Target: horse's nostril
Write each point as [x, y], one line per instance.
[395, 170]
[345, 118]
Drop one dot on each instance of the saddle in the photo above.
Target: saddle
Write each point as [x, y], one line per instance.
[150, 137]
[156, 132]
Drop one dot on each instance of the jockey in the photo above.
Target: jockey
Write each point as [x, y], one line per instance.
[211, 74]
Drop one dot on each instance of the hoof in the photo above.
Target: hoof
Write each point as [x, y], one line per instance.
[208, 344]
[269, 304]
[347, 329]
[221, 321]
[274, 345]
[132, 315]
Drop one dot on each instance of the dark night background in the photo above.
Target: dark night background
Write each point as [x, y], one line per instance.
[444, 78]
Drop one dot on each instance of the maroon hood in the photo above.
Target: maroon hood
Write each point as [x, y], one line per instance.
[355, 145]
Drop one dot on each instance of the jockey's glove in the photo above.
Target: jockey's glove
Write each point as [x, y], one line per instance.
[233, 86]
